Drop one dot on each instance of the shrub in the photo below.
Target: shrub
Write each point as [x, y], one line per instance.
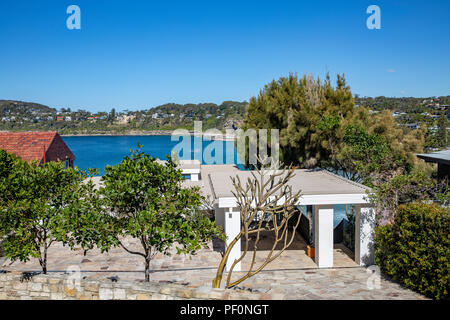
[415, 249]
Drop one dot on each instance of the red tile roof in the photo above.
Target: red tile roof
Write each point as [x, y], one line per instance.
[32, 145]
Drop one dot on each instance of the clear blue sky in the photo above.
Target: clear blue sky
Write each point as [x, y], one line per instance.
[139, 54]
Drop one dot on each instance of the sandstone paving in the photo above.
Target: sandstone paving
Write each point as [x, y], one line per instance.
[293, 276]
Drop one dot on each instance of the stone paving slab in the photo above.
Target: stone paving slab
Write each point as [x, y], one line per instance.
[293, 275]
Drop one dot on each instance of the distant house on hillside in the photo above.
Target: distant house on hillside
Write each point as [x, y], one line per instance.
[413, 126]
[39, 146]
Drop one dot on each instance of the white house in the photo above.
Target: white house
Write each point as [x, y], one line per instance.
[190, 169]
[320, 188]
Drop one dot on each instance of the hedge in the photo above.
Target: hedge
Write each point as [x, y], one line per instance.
[415, 249]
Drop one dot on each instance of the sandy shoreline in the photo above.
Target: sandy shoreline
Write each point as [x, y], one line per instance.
[129, 133]
[222, 137]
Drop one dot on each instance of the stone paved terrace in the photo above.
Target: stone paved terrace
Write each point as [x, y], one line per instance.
[293, 274]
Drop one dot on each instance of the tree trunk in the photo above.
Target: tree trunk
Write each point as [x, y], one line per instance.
[43, 260]
[218, 279]
[147, 269]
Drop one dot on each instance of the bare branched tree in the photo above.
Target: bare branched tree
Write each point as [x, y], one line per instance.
[266, 203]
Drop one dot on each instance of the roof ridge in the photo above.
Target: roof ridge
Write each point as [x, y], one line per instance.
[212, 186]
[345, 179]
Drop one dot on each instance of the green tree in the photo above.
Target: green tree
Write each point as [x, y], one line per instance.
[34, 201]
[6, 163]
[442, 134]
[149, 203]
[320, 126]
[112, 115]
[407, 188]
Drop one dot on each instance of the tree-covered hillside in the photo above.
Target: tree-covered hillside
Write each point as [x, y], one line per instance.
[24, 116]
[26, 108]
[406, 104]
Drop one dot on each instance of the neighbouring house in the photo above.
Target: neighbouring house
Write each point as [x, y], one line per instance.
[442, 158]
[37, 146]
[190, 169]
[413, 126]
[124, 119]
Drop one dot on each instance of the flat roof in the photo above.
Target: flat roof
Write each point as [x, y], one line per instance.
[436, 157]
[310, 182]
[317, 186]
[184, 164]
[205, 183]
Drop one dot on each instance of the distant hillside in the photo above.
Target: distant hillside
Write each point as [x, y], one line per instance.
[28, 116]
[25, 108]
[24, 116]
[212, 115]
[406, 104]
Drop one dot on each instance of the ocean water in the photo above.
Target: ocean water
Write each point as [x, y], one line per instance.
[99, 151]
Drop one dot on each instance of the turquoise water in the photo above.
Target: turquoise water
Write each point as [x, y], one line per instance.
[99, 151]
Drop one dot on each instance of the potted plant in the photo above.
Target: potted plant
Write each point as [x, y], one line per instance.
[310, 251]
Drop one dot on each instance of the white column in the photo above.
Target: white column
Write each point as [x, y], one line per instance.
[364, 235]
[323, 235]
[232, 229]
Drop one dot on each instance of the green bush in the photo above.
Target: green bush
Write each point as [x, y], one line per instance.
[415, 249]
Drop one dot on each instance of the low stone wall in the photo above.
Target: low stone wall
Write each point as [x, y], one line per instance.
[19, 286]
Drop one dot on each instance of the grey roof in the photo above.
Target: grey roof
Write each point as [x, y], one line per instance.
[205, 183]
[184, 164]
[310, 182]
[437, 157]
[216, 182]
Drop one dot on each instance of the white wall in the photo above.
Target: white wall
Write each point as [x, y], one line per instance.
[364, 235]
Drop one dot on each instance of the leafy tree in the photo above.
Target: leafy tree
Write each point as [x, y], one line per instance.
[320, 126]
[6, 163]
[147, 202]
[442, 134]
[407, 188]
[431, 141]
[112, 115]
[34, 201]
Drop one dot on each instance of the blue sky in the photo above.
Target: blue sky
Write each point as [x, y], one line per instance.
[140, 54]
